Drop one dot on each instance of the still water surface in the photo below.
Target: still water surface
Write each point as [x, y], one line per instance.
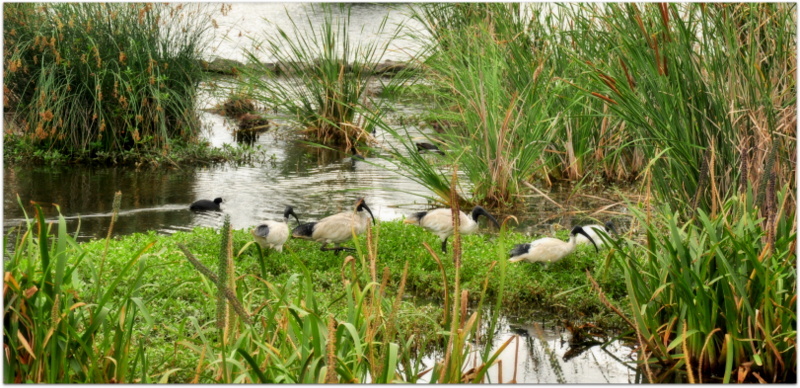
[316, 182]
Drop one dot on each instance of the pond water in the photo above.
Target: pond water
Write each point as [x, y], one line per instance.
[246, 23]
[539, 352]
[317, 182]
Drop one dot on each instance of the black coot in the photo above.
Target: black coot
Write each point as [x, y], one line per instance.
[204, 204]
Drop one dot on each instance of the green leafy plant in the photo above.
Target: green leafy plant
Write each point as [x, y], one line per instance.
[715, 297]
[51, 334]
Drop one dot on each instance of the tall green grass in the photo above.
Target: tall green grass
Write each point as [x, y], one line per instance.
[706, 91]
[327, 71]
[489, 78]
[687, 96]
[715, 296]
[103, 77]
[53, 335]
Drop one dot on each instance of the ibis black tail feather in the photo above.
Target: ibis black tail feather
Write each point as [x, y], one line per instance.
[304, 230]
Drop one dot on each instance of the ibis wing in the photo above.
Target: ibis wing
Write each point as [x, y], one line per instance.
[261, 231]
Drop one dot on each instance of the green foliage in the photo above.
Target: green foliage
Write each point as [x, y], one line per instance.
[714, 295]
[704, 90]
[488, 80]
[162, 316]
[54, 330]
[103, 77]
[16, 150]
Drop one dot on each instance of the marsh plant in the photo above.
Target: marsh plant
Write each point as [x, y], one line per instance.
[103, 77]
[326, 70]
[706, 90]
[715, 296]
[489, 79]
[566, 92]
[53, 331]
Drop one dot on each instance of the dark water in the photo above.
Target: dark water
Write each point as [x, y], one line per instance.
[317, 183]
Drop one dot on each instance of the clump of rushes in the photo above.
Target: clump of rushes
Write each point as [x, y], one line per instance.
[701, 87]
[489, 76]
[328, 72]
[103, 77]
[713, 296]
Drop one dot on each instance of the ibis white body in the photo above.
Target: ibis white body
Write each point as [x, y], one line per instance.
[337, 228]
[547, 249]
[440, 222]
[273, 234]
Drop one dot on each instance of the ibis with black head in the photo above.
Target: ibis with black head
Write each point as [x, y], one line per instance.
[440, 222]
[548, 249]
[595, 232]
[337, 228]
[273, 234]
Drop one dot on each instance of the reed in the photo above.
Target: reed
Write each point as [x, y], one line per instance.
[713, 296]
[684, 79]
[104, 77]
[489, 79]
[328, 71]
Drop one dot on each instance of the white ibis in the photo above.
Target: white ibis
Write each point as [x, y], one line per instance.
[274, 233]
[337, 228]
[548, 249]
[204, 205]
[595, 232]
[440, 222]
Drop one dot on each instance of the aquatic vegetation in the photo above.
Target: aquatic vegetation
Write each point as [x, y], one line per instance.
[328, 72]
[488, 78]
[58, 328]
[717, 294]
[103, 77]
[706, 93]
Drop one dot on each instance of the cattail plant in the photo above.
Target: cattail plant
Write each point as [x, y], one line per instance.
[104, 77]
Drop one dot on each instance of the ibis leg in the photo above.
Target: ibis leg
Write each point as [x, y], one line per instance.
[444, 245]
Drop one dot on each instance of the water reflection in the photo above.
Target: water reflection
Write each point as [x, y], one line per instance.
[538, 355]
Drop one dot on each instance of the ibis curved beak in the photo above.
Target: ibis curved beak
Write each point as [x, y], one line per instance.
[360, 204]
[479, 211]
[287, 211]
[370, 213]
[580, 230]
